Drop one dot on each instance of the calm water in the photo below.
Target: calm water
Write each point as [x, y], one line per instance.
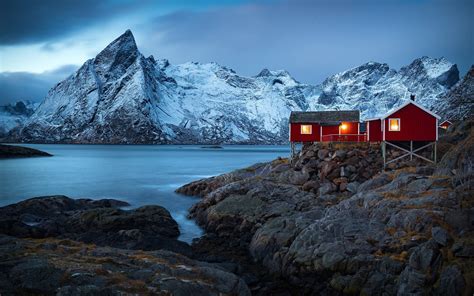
[140, 174]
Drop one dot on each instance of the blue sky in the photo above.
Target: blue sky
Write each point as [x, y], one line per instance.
[42, 42]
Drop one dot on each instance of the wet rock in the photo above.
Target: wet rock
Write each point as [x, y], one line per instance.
[101, 222]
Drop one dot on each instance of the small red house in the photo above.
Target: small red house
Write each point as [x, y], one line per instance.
[409, 122]
[322, 126]
[445, 124]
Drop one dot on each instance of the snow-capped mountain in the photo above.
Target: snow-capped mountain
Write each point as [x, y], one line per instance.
[458, 103]
[15, 115]
[121, 96]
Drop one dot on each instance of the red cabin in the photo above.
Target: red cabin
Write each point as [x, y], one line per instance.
[445, 124]
[409, 122]
[325, 126]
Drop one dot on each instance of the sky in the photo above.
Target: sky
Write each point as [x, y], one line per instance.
[42, 42]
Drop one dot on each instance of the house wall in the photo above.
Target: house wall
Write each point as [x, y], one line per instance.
[374, 130]
[296, 136]
[415, 125]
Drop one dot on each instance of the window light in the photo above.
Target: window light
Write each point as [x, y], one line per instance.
[394, 124]
[306, 129]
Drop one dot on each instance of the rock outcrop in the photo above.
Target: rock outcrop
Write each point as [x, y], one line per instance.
[100, 222]
[333, 223]
[65, 267]
[57, 245]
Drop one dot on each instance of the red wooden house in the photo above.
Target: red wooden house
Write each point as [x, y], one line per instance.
[409, 122]
[409, 128]
[325, 126]
[445, 124]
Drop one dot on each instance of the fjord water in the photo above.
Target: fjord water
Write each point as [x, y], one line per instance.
[138, 174]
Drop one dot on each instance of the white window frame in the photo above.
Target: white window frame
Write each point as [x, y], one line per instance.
[390, 126]
[310, 129]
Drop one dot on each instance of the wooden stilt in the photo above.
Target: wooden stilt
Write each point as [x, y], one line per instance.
[384, 154]
[292, 145]
[411, 152]
[435, 152]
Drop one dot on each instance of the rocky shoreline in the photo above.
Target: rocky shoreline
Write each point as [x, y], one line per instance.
[55, 245]
[330, 223]
[333, 224]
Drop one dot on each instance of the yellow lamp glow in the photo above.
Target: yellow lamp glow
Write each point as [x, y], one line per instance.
[394, 124]
[306, 129]
[344, 126]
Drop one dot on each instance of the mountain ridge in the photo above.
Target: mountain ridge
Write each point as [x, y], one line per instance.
[121, 96]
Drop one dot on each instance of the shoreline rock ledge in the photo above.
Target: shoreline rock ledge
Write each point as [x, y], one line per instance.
[56, 245]
[333, 224]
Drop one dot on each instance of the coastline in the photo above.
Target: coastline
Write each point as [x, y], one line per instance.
[332, 223]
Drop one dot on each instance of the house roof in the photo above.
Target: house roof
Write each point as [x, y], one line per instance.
[447, 121]
[406, 104]
[324, 116]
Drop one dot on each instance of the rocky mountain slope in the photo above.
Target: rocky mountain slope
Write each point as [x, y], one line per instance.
[12, 116]
[120, 96]
[458, 103]
[334, 224]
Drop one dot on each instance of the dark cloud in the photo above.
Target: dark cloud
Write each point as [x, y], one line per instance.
[314, 39]
[15, 86]
[30, 21]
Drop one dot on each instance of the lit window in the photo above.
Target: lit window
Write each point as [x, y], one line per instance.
[394, 124]
[306, 129]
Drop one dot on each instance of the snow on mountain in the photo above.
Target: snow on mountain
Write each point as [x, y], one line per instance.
[15, 115]
[458, 103]
[121, 96]
[375, 88]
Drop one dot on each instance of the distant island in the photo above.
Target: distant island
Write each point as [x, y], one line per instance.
[12, 151]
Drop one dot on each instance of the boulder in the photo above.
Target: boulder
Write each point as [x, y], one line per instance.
[101, 222]
[323, 153]
[440, 235]
[311, 185]
[326, 188]
[352, 186]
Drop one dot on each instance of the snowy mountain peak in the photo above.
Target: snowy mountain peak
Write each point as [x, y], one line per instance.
[122, 97]
[118, 55]
[442, 71]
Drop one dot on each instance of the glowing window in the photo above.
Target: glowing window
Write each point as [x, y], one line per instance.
[394, 124]
[306, 129]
